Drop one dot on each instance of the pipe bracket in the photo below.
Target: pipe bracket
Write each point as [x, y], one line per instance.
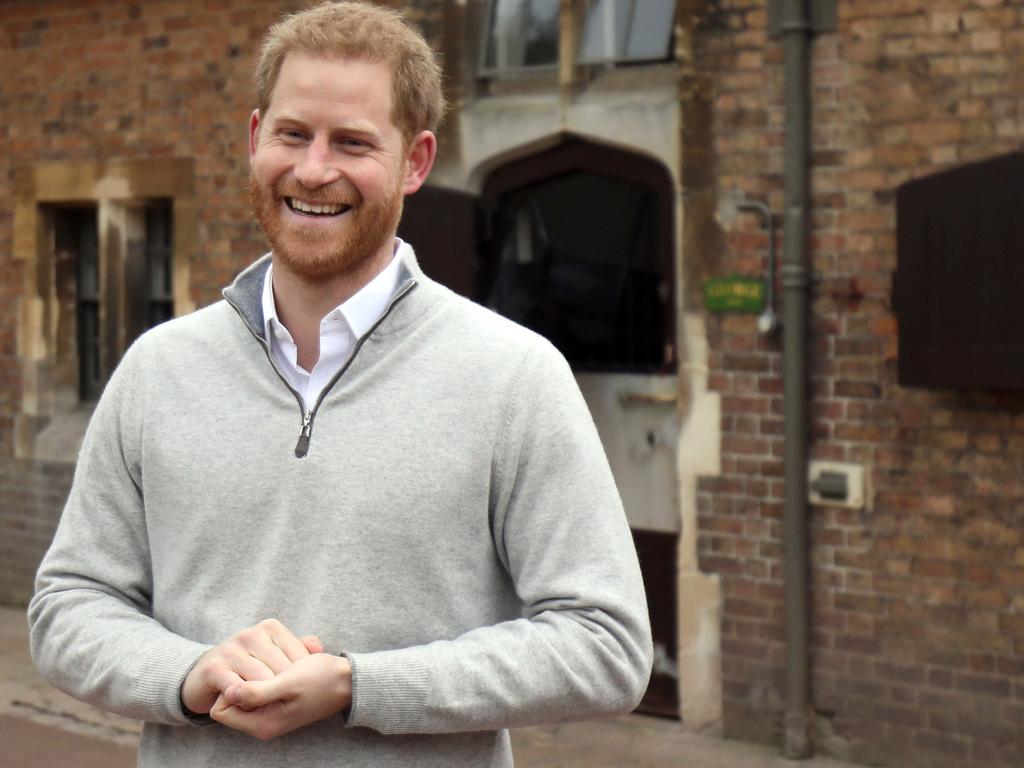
[795, 276]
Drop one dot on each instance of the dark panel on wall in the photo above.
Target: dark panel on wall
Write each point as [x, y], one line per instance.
[442, 225]
[959, 288]
[657, 553]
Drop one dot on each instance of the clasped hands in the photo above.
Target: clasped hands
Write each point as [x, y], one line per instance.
[265, 682]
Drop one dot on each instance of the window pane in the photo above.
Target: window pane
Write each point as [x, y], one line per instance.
[541, 34]
[522, 33]
[604, 30]
[159, 250]
[627, 30]
[86, 234]
[651, 32]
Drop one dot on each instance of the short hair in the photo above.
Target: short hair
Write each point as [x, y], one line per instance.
[359, 30]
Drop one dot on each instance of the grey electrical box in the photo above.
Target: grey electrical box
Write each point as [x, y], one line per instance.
[831, 486]
[824, 15]
[837, 484]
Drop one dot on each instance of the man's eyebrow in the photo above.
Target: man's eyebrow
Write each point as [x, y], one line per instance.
[286, 118]
[363, 127]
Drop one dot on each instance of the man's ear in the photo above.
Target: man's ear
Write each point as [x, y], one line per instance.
[418, 161]
[254, 133]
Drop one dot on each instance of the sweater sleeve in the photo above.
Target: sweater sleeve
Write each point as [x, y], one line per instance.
[91, 628]
[583, 645]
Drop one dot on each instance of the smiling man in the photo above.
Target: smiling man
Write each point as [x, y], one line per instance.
[342, 511]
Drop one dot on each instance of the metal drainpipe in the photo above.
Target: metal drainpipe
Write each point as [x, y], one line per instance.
[796, 34]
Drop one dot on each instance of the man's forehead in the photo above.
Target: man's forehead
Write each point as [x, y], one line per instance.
[303, 69]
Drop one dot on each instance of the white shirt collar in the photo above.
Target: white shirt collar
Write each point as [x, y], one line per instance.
[367, 304]
[361, 310]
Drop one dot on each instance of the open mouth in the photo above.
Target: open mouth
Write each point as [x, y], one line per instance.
[311, 209]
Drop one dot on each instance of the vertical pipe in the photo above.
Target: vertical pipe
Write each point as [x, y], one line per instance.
[796, 32]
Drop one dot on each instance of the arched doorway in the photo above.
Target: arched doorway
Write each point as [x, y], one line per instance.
[581, 251]
[576, 242]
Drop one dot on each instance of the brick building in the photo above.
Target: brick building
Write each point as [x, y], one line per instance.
[122, 199]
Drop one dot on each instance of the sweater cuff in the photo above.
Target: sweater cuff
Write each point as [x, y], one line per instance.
[160, 676]
[389, 692]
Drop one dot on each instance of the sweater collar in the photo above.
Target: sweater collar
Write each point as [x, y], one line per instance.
[245, 293]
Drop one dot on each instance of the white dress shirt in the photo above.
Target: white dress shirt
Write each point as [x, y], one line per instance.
[340, 329]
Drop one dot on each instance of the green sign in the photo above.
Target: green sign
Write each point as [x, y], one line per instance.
[734, 294]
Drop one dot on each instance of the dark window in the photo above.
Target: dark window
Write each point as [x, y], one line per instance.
[101, 311]
[159, 247]
[627, 30]
[521, 34]
[76, 241]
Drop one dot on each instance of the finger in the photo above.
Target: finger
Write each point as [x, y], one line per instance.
[249, 667]
[240, 720]
[220, 678]
[264, 723]
[284, 639]
[199, 689]
[218, 706]
[313, 644]
[256, 693]
[270, 654]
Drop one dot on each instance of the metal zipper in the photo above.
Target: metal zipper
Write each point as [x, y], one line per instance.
[305, 434]
[306, 430]
[302, 447]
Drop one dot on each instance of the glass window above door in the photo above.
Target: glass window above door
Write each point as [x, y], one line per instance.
[627, 30]
[521, 34]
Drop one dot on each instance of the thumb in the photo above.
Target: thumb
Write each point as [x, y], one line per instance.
[313, 644]
[251, 695]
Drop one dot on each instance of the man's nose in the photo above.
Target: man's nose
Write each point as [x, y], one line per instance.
[317, 166]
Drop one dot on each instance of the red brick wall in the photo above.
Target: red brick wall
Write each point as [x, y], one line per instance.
[31, 498]
[918, 614]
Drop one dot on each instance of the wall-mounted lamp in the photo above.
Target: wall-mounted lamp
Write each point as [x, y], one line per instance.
[768, 322]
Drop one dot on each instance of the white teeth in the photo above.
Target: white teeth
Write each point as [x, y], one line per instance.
[329, 210]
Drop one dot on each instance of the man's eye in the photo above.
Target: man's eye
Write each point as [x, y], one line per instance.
[293, 135]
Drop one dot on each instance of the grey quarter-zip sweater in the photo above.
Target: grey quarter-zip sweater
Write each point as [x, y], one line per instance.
[445, 516]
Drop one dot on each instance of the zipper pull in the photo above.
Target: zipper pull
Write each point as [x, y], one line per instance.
[302, 447]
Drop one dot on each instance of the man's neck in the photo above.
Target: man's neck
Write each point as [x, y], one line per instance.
[302, 303]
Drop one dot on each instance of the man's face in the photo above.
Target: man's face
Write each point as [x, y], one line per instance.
[328, 167]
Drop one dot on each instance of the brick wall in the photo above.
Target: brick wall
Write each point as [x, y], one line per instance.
[31, 497]
[917, 607]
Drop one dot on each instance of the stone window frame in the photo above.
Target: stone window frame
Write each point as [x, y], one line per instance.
[51, 419]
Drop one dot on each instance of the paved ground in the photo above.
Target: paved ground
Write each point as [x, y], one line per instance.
[27, 744]
[42, 727]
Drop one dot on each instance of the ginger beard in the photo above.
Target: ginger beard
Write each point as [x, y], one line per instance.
[316, 252]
